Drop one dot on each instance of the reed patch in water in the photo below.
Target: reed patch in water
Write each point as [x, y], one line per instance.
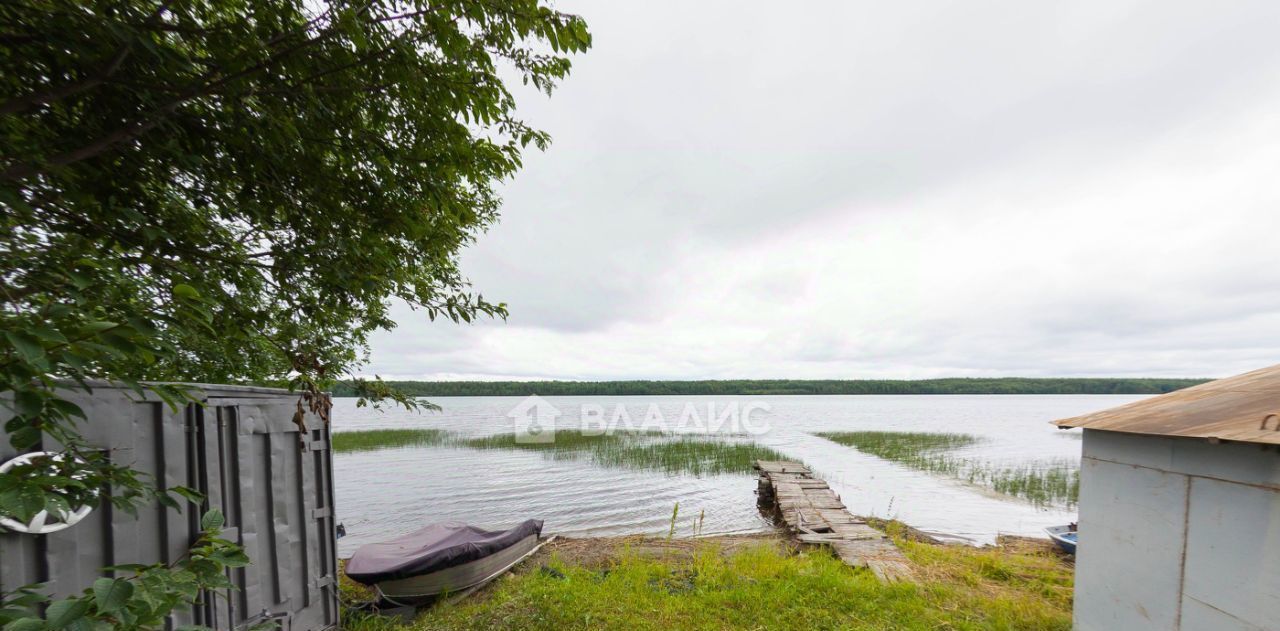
[1041, 482]
[371, 439]
[918, 450]
[1044, 482]
[568, 440]
[696, 454]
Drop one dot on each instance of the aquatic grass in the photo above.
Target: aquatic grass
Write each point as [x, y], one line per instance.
[568, 444]
[648, 450]
[918, 450]
[372, 439]
[894, 445]
[694, 454]
[567, 440]
[764, 586]
[1042, 482]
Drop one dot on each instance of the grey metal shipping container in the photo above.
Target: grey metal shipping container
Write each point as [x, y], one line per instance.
[242, 449]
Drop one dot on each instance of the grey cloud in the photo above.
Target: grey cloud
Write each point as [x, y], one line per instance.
[696, 137]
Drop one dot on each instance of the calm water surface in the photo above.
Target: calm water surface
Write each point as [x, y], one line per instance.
[387, 492]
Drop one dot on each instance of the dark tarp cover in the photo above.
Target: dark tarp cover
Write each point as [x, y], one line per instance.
[434, 548]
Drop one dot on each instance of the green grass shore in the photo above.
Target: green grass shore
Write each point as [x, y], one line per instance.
[753, 583]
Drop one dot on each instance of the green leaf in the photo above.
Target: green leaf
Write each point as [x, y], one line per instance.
[26, 624]
[27, 345]
[93, 328]
[212, 520]
[22, 599]
[88, 624]
[57, 505]
[183, 290]
[28, 403]
[64, 612]
[55, 481]
[185, 583]
[66, 408]
[48, 334]
[27, 501]
[81, 281]
[190, 494]
[110, 594]
[127, 567]
[119, 342]
[25, 438]
[231, 558]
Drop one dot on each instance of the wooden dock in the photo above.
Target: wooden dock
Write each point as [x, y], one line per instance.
[815, 515]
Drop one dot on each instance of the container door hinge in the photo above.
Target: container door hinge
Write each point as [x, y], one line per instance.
[280, 618]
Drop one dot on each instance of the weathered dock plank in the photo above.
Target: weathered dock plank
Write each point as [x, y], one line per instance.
[815, 514]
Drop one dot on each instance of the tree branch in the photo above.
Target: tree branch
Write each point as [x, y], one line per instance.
[19, 172]
[24, 103]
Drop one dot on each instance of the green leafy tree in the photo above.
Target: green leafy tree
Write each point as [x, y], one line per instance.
[235, 191]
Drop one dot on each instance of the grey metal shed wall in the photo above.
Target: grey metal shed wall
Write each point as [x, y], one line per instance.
[1177, 533]
[243, 450]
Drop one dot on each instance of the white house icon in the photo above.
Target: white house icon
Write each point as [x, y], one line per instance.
[534, 420]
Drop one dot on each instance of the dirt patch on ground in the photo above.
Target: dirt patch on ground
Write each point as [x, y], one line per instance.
[1033, 545]
[897, 528]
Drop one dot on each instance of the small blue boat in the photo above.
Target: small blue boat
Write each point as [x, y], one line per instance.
[1064, 536]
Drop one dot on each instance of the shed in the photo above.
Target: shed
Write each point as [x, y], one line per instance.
[1180, 509]
[240, 446]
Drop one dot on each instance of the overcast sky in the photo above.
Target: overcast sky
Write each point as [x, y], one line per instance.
[888, 190]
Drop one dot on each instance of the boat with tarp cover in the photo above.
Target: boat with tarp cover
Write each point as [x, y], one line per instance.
[445, 558]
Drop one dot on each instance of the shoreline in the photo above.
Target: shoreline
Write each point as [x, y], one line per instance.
[758, 580]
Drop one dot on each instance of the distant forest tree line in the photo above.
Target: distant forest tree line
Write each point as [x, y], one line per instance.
[1001, 385]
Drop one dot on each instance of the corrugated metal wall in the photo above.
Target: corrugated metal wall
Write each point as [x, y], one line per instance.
[243, 450]
[1177, 533]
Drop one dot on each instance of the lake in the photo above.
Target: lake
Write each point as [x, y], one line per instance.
[386, 492]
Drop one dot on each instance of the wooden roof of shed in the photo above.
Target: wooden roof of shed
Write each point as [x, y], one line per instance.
[1244, 408]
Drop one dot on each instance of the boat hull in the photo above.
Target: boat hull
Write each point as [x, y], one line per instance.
[416, 590]
[1064, 537]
